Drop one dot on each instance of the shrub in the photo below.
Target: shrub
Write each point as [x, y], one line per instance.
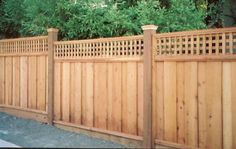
[183, 15]
[11, 17]
[38, 16]
[97, 18]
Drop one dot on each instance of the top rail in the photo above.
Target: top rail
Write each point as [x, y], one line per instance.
[197, 32]
[23, 39]
[99, 40]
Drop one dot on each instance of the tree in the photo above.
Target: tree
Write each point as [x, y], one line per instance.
[97, 18]
[183, 15]
[38, 15]
[12, 14]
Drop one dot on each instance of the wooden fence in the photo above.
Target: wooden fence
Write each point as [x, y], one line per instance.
[98, 83]
[194, 88]
[174, 89]
[23, 75]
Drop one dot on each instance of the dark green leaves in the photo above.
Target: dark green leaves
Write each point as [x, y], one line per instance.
[85, 19]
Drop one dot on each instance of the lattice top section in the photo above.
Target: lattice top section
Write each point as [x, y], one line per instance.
[100, 48]
[24, 45]
[201, 42]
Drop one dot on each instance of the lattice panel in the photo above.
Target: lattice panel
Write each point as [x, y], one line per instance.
[24, 45]
[202, 42]
[100, 48]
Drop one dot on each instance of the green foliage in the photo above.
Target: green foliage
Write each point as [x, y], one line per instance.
[183, 15]
[98, 18]
[39, 15]
[11, 16]
[215, 14]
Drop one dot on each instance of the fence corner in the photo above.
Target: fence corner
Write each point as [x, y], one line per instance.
[149, 31]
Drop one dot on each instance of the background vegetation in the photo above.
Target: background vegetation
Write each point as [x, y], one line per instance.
[78, 19]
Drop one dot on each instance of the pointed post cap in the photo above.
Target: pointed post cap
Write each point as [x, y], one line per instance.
[54, 30]
[149, 27]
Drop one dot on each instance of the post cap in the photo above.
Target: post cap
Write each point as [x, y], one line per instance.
[52, 30]
[149, 27]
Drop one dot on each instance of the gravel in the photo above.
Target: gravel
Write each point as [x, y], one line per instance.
[29, 133]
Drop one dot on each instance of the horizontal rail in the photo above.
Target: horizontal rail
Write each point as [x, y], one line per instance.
[23, 109]
[24, 54]
[99, 40]
[128, 136]
[39, 116]
[173, 145]
[197, 32]
[197, 58]
[84, 60]
[24, 39]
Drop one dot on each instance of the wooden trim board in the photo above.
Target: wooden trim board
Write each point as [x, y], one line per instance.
[124, 139]
[192, 58]
[24, 54]
[121, 138]
[25, 113]
[173, 145]
[101, 60]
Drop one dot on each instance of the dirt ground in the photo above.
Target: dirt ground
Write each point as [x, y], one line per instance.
[28, 133]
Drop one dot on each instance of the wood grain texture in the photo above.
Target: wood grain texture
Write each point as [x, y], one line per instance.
[114, 96]
[202, 105]
[124, 98]
[16, 82]
[32, 93]
[170, 124]
[160, 100]
[24, 81]
[72, 93]
[214, 105]
[78, 93]
[100, 95]
[154, 100]
[227, 106]
[140, 98]
[66, 92]
[8, 80]
[57, 91]
[132, 98]
[87, 94]
[233, 88]
[41, 83]
[110, 96]
[47, 90]
[181, 109]
[52, 37]
[190, 95]
[2, 80]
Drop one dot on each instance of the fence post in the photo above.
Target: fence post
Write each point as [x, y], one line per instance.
[52, 36]
[148, 30]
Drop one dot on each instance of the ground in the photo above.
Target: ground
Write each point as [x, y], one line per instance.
[28, 133]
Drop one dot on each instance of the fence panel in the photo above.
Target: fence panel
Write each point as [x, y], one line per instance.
[23, 79]
[98, 84]
[193, 88]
